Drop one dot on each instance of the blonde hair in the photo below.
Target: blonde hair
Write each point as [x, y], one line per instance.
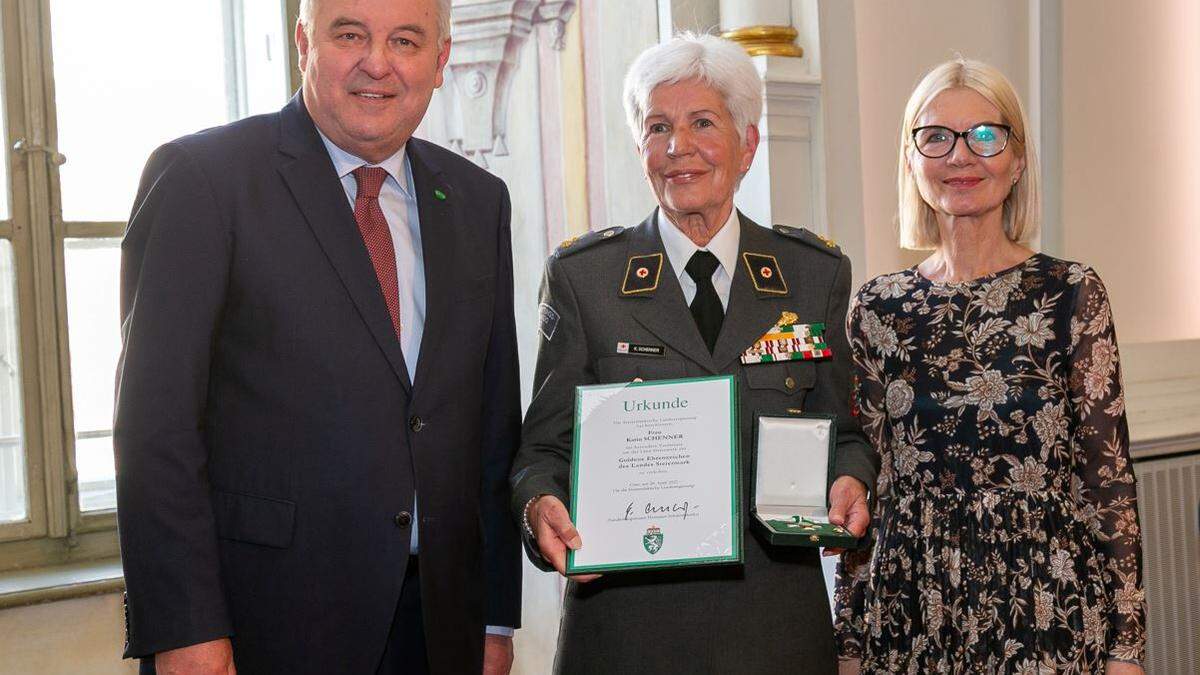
[1022, 215]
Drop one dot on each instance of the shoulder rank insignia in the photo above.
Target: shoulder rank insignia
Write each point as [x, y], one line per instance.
[812, 239]
[641, 274]
[765, 273]
[578, 243]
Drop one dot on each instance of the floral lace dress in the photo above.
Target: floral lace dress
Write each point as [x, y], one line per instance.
[1006, 528]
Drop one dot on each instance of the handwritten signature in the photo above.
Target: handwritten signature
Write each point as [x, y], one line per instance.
[681, 509]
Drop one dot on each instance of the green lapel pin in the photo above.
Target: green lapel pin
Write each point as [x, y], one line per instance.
[439, 195]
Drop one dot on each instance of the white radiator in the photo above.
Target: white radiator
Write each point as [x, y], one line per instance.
[1169, 504]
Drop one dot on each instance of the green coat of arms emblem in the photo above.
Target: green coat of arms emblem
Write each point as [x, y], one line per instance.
[652, 540]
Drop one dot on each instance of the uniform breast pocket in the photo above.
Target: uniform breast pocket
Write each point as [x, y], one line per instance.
[626, 368]
[779, 386]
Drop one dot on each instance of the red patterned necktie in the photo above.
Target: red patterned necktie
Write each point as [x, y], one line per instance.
[376, 235]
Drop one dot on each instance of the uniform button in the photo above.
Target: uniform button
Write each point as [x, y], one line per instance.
[790, 382]
[403, 519]
[416, 424]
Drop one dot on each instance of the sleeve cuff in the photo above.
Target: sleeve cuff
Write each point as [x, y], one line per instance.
[502, 631]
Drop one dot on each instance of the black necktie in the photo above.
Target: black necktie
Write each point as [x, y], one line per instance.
[706, 306]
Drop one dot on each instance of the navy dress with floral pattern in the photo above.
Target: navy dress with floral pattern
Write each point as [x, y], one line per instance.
[1006, 525]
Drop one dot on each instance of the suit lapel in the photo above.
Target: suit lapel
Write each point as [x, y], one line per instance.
[664, 311]
[438, 248]
[750, 313]
[308, 173]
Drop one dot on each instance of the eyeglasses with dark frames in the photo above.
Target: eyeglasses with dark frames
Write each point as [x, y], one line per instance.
[983, 140]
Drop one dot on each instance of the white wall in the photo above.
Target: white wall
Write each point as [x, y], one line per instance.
[626, 29]
[834, 31]
[1131, 159]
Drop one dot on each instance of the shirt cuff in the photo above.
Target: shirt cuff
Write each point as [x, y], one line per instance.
[502, 631]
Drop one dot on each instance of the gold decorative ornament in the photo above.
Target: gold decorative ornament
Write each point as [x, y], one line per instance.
[766, 40]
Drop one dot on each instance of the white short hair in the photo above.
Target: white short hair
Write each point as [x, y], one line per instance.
[308, 11]
[718, 63]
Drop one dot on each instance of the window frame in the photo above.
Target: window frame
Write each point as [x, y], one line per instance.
[55, 530]
[37, 320]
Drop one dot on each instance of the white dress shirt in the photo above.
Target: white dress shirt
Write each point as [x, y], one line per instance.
[724, 246]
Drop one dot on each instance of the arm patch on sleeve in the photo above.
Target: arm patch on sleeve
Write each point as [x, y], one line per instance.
[547, 321]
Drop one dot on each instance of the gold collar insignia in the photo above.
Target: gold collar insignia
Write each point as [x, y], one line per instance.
[641, 274]
[765, 273]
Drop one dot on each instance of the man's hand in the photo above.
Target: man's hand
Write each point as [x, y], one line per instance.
[848, 508]
[206, 658]
[497, 654]
[554, 532]
[1122, 668]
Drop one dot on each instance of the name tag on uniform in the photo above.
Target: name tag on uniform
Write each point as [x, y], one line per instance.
[639, 350]
[789, 341]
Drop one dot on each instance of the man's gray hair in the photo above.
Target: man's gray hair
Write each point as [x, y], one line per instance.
[308, 11]
[714, 61]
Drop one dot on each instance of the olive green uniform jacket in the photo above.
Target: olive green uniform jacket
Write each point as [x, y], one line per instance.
[772, 614]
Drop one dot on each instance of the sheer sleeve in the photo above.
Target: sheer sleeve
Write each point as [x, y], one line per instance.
[867, 402]
[1105, 481]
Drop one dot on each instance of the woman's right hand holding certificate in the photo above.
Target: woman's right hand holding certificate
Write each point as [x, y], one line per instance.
[555, 533]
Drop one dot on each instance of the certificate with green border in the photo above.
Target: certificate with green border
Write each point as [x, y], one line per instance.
[655, 477]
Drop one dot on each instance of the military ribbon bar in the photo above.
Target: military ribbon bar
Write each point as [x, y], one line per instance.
[791, 342]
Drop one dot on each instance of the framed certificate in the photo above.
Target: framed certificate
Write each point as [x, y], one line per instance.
[655, 479]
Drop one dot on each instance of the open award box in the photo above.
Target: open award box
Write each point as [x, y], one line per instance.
[793, 461]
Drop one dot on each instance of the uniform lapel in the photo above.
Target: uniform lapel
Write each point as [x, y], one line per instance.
[750, 313]
[663, 311]
[308, 172]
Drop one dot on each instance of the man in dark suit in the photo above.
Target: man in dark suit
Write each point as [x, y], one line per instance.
[319, 381]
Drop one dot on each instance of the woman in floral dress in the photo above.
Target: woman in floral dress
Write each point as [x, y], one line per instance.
[1007, 536]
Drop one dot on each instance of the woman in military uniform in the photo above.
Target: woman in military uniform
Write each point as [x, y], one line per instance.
[687, 292]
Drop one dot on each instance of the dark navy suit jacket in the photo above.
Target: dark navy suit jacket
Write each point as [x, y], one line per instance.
[268, 439]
